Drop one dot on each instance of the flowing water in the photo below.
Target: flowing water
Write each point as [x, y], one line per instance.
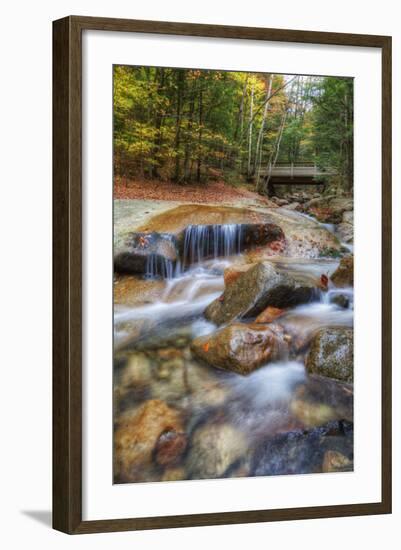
[235, 425]
[201, 242]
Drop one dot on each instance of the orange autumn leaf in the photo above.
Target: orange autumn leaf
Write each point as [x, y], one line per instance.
[206, 347]
[324, 280]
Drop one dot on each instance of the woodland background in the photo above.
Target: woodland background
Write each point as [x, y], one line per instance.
[197, 126]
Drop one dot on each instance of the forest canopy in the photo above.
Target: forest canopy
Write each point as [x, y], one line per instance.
[193, 126]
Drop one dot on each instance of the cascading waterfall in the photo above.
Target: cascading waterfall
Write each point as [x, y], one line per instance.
[203, 242]
[158, 266]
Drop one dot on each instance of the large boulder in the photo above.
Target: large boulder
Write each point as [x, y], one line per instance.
[332, 354]
[137, 436]
[232, 273]
[256, 289]
[154, 254]
[304, 237]
[240, 348]
[344, 274]
[176, 220]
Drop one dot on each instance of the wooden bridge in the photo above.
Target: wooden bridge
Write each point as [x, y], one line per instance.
[305, 173]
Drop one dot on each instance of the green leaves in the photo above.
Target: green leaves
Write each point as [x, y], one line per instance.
[185, 124]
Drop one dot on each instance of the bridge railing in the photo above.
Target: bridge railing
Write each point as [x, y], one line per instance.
[294, 170]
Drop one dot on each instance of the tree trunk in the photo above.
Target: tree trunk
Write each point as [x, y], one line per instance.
[199, 160]
[177, 143]
[258, 150]
[188, 140]
[250, 132]
[240, 120]
[275, 154]
[159, 78]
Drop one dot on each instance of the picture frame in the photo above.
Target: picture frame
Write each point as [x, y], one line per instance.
[68, 295]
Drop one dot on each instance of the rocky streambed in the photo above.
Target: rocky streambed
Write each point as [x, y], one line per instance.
[233, 343]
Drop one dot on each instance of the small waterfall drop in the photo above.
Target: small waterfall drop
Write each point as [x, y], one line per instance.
[203, 242]
[158, 266]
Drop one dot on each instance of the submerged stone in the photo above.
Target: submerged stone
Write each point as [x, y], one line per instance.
[320, 400]
[214, 448]
[334, 461]
[303, 451]
[341, 300]
[136, 437]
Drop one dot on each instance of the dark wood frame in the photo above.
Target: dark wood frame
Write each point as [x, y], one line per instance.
[67, 278]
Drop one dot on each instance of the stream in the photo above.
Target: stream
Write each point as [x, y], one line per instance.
[274, 421]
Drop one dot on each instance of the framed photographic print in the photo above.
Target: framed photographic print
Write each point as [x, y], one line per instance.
[222, 274]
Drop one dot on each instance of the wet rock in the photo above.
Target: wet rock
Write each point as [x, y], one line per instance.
[166, 368]
[129, 332]
[281, 202]
[332, 354]
[240, 348]
[232, 273]
[293, 206]
[304, 237]
[341, 300]
[329, 209]
[242, 470]
[132, 290]
[138, 372]
[345, 232]
[320, 400]
[169, 353]
[154, 254]
[174, 474]
[256, 289]
[348, 217]
[170, 382]
[205, 390]
[312, 414]
[136, 436]
[269, 315]
[214, 448]
[302, 451]
[175, 220]
[334, 461]
[170, 447]
[344, 274]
